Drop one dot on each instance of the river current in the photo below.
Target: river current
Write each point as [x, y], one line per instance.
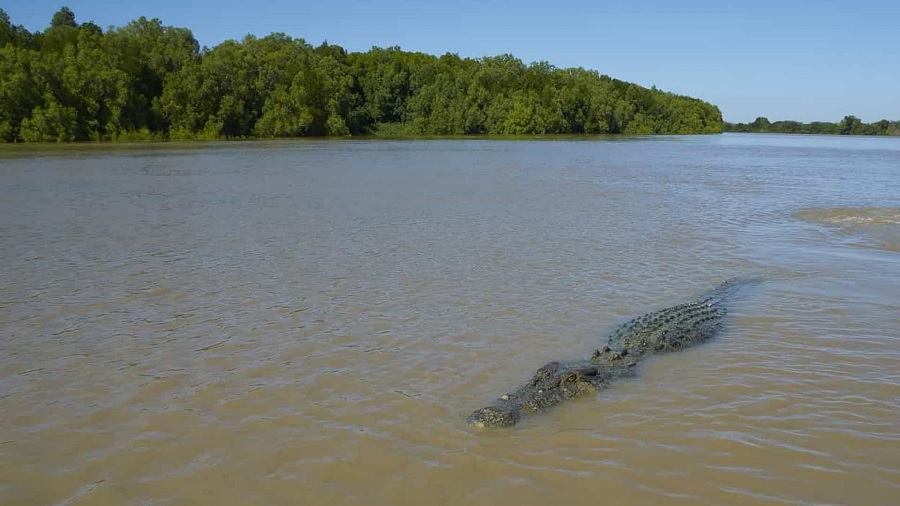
[310, 322]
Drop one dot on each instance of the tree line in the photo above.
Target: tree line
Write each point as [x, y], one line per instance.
[850, 125]
[149, 81]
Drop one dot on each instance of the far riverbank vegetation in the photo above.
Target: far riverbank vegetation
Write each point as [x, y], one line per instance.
[145, 81]
[850, 125]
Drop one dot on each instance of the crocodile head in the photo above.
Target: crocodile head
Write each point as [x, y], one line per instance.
[551, 384]
[494, 416]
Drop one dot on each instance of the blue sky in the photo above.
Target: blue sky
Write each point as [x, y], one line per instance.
[783, 59]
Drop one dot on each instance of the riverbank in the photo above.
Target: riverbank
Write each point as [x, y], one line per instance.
[850, 125]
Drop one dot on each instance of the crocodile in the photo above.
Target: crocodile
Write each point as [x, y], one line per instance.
[661, 331]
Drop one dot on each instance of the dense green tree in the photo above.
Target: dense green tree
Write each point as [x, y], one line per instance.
[16, 35]
[882, 127]
[850, 125]
[50, 122]
[762, 123]
[317, 102]
[383, 77]
[147, 80]
[18, 94]
[148, 52]
[63, 17]
[6, 29]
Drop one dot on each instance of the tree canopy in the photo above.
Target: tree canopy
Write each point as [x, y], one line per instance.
[146, 80]
[850, 125]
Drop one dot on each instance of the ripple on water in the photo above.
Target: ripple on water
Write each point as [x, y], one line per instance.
[853, 217]
[311, 322]
[877, 227]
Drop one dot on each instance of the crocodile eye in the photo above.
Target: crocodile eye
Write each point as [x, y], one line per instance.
[571, 377]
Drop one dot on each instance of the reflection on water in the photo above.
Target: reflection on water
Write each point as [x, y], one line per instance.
[310, 322]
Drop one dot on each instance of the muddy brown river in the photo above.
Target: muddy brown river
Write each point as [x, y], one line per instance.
[311, 322]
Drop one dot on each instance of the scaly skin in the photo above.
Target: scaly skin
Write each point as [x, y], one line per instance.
[660, 331]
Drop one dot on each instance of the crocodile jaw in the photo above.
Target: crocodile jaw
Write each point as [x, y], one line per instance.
[493, 416]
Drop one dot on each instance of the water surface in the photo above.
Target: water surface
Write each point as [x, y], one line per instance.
[311, 322]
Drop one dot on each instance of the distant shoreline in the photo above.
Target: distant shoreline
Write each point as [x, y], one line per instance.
[850, 125]
[11, 148]
[358, 137]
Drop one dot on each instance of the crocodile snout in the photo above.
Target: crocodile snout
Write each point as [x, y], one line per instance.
[493, 416]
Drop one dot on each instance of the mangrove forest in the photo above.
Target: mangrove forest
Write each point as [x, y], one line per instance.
[850, 125]
[76, 81]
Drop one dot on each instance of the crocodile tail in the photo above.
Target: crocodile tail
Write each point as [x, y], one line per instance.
[731, 287]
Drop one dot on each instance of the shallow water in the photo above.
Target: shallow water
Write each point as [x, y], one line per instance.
[311, 322]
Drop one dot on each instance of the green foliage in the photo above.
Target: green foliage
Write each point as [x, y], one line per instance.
[150, 81]
[64, 17]
[147, 52]
[51, 122]
[18, 93]
[394, 130]
[6, 29]
[144, 134]
[850, 125]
